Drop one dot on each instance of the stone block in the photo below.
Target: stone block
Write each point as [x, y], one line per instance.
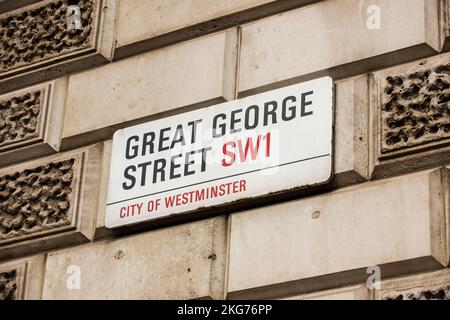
[192, 74]
[325, 241]
[144, 25]
[22, 279]
[283, 49]
[49, 203]
[359, 292]
[182, 262]
[31, 121]
[410, 117]
[440, 218]
[100, 230]
[444, 17]
[350, 131]
[38, 44]
[426, 286]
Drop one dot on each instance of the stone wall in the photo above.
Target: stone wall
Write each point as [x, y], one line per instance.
[64, 92]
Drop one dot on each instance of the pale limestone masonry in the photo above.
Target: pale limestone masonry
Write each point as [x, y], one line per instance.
[63, 93]
[195, 73]
[331, 38]
[396, 228]
[350, 130]
[183, 262]
[358, 292]
[144, 25]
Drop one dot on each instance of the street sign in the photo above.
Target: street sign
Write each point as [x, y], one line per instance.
[246, 148]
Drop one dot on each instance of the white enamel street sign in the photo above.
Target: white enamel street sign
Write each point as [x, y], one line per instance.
[270, 142]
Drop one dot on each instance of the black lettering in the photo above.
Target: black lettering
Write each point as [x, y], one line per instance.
[147, 142]
[134, 148]
[270, 112]
[234, 121]
[204, 152]
[130, 177]
[306, 103]
[248, 117]
[284, 115]
[159, 167]
[222, 126]
[178, 137]
[163, 139]
[143, 167]
[194, 124]
[174, 166]
[188, 163]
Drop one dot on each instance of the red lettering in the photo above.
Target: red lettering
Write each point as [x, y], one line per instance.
[123, 211]
[230, 154]
[249, 146]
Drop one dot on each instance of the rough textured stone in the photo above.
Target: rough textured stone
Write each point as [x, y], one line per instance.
[181, 262]
[37, 199]
[306, 242]
[319, 34]
[22, 279]
[49, 203]
[37, 44]
[40, 32]
[416, 108]
[410, 117]
[20, 117]
[439, 292]
[8, 285]
[430, 286]
[31, 121]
